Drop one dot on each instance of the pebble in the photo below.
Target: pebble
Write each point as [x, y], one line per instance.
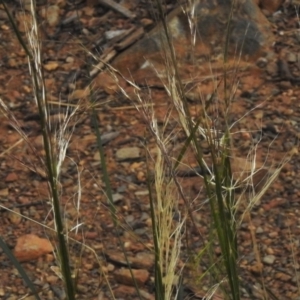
[142, 193]
[110, 34]
[117, 198]
[128, 153]
[52, 15]
[4, 192]
[259, 230]
[291, 57]
[14, 216]
[261, 62]
[124, 276]
[11, 177]
[51, 66]
[269, 259]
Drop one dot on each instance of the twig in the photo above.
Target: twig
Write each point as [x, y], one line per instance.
[103, 60]
[130, 39]
[119, 8]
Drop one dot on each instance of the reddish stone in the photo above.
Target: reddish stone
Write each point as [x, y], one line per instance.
[11, 177]
[30, 247]
[270, 5]
[124, 276]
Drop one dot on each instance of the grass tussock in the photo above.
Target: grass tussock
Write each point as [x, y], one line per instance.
[229, 183]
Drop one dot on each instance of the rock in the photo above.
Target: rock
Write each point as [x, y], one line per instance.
[249, 35]
[272, 69]
[259, 230]
[52, 15]
[110, 34]
[270, 5]
[3, 15]
[117, 198]
[291, 57]
[30, 247]
[140, 261]
[107, 137]
[146, 22]
[131, 292]
[14, 216]
[51, 66]
[52, 279]
[283, 276]
[128, 153]
[269, 259]
[123, 276]
[11, 177]
[4, 192]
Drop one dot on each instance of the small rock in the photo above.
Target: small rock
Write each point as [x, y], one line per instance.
[272, 69]
[122, 290]
[142, 193]
[141, 177]
[269, 251]
[261, 62]
[124, 276]
[3, 15]
[129, 219]
[285, 85]
[51, 66]
[146, 22]
[110, 34]
[283, 276]
[270, 5]
[273, 234]
[107, 137]
[11, 177]
[259, 230]
[128, 153]
[52, 279]
[70, 59]
[291, 57]
[269, 259]
[141, 261]
[14, 216]
[52, 15]
[83, 289]
[4, 192]
[96, 156]
[30, 247]
[117, 198]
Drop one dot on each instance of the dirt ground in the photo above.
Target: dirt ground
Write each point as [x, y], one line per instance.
[266, 107]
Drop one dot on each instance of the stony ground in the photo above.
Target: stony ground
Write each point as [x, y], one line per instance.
[71, 31]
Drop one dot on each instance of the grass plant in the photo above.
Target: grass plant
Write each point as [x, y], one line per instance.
[170, 219]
